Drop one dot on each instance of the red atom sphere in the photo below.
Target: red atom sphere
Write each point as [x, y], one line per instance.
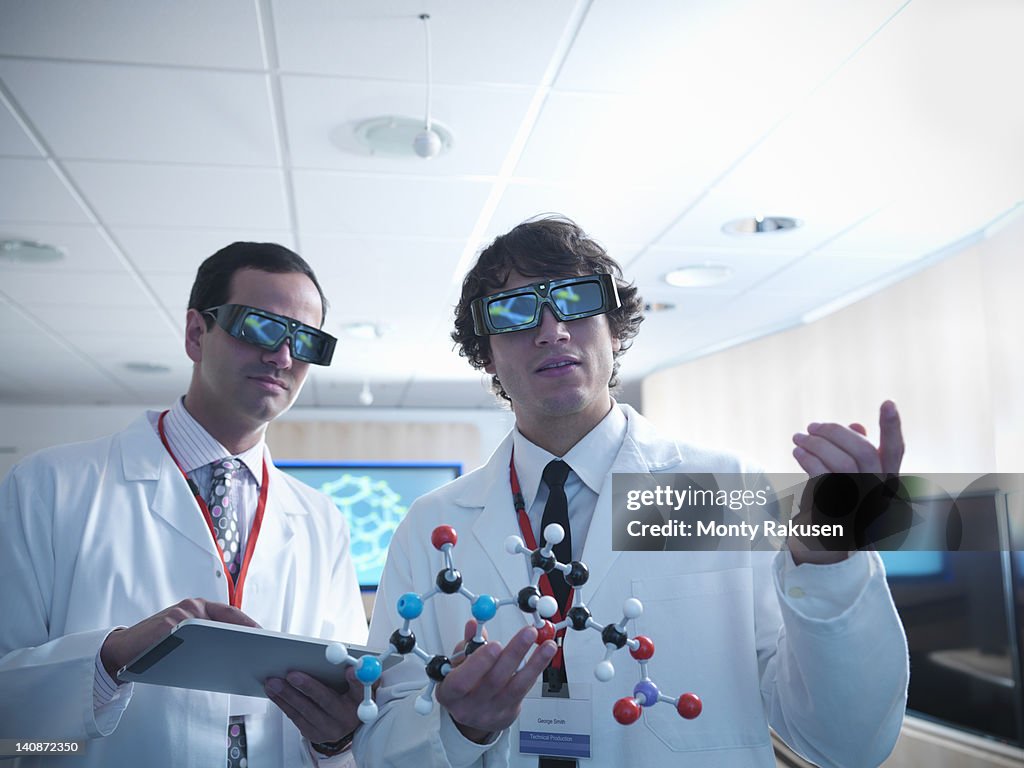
[646, 649]
[689, 705]
[547, 632]
[443, 534]
[626, 711]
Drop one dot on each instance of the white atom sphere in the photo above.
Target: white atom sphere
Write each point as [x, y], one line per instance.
[512, 544]
[367, 712]
[427, 143]
[604, 671]
[632, 608]
[547, 606]
[554, 534]
[337, 653]
[423, 706]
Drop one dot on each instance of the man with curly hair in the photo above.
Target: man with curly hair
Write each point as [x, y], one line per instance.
[807, 644]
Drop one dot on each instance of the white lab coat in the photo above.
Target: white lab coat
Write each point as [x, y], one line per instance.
[103, 534]
[835, 689]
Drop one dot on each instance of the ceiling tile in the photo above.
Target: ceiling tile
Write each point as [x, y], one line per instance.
[185, 32]
[487, 41]
[40, 290]
[32, 193]
[605, 210]
[181, 251]
[365, 205]
[142, 196]
[146, 114]
[13, 140]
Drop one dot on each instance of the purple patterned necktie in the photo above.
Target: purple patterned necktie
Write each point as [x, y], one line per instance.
[224, 514]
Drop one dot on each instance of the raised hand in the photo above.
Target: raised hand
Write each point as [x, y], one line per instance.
[483, 694]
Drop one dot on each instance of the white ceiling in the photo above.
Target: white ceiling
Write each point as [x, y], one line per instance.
[141, 137]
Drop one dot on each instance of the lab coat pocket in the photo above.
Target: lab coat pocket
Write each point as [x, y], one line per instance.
[702, 625]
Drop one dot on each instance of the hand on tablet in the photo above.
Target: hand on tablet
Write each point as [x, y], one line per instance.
[123, 645]
[320, 713]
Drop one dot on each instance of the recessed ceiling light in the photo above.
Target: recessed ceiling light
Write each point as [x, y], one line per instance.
[659, 306]
[140, 367]
[396, 136]
[759, 225]
[699, 275]
[29, 252]
[362, 330]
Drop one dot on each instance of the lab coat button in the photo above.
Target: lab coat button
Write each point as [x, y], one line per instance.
[217, 573]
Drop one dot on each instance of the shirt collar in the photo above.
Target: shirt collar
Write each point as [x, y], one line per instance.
[194, 447]
[591, 459]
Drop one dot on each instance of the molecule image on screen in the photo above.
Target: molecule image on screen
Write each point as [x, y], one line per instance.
[529, 600]
[373, 510]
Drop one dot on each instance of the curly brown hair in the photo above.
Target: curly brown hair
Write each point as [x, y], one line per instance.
[552, 247]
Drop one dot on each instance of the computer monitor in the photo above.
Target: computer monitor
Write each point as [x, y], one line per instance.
[374, 498]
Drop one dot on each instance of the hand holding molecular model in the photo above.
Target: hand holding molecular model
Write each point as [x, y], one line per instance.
[484, 691]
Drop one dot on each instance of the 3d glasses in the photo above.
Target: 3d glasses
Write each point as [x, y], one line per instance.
[520, 308]
[267, 330]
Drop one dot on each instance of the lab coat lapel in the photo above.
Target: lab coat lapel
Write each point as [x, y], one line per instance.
[276, 532]
[642, 451]
[144, 458]
[491, 493]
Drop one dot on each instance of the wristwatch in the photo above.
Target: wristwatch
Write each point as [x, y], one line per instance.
[332, 748]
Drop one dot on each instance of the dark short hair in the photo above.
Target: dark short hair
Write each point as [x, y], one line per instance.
[212, 285]
[546, 246]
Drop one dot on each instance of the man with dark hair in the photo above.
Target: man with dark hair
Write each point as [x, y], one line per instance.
[808, 644]
[108, 545]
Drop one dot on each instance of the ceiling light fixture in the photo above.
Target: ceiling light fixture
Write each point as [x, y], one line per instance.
[759, 225]
[365, 395]
[365, 331]
[699, 275]
[141, 367]
[29, 252]
[427, 143]
[399, 136]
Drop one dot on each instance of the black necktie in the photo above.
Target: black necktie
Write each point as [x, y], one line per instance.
[557, 511]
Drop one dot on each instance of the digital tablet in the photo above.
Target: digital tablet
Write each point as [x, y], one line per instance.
[212, 656]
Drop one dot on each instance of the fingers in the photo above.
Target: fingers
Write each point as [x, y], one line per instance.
[486, 691]
[318, 711]
[228, 614]
[890, 444]
[836, 448]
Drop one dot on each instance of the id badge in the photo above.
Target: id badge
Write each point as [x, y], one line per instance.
[557, 727]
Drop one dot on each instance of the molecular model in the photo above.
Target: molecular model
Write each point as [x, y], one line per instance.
[529, 600]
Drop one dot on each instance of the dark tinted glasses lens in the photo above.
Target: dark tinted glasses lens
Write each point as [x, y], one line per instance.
[512, 311]
[308, 345]
[578, 298]
[263, 331]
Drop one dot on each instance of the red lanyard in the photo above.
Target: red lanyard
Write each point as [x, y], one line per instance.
[234, 593]
[527, 530]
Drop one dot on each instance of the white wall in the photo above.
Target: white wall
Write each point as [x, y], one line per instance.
[947, 344]
[26, 429]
